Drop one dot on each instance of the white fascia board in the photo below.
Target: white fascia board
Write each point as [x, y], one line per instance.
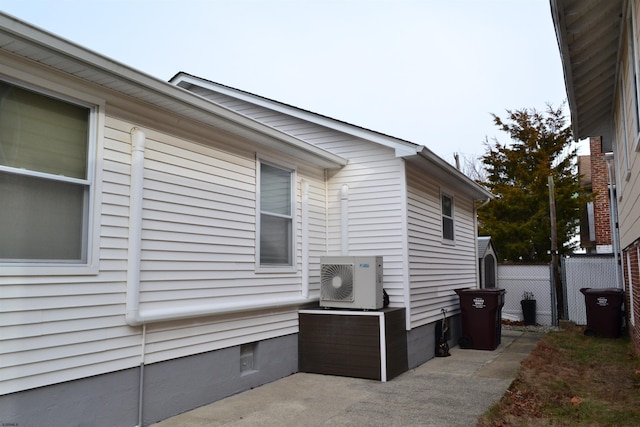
[38, 45]
[401, 147]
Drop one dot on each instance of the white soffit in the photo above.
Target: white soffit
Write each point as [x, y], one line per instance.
[588, 34]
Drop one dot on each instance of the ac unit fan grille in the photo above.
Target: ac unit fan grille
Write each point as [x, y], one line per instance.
[336, 282]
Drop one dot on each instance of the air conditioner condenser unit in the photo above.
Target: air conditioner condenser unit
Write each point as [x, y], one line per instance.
[352, 282]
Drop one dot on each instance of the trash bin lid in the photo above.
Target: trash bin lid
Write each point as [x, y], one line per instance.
[480, 291]
[601, 291]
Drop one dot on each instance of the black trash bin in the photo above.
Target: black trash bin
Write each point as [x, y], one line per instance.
[529, 311]
[604, 311]
[481, 318]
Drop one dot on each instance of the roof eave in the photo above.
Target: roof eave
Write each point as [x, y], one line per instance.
[588, 33]
[29, 42]
[466, 184]
[401, 146]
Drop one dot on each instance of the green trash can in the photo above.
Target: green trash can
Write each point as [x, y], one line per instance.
[481, 318]
[604, 311]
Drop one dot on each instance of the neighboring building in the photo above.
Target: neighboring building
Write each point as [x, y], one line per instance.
[598, 178]
[599, 46]
[156, 247]
[487, 262]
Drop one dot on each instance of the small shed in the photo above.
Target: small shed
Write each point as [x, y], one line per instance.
[487, 263]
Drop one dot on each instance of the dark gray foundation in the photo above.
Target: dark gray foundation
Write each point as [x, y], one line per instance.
[170, 388]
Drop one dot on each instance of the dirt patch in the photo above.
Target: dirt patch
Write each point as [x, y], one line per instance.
[570, 379]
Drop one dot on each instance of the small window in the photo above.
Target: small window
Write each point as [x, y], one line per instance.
[45, 180]
[276, 216]
[447, 217]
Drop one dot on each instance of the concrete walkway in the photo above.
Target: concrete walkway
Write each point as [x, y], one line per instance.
[448, 391]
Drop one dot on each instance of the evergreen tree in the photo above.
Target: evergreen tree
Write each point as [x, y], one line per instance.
[517, 174]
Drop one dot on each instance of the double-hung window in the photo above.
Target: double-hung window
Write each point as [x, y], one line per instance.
[45, 178]
[276, 216]
[447, 217]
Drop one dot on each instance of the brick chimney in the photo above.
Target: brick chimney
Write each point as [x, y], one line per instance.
[600, 188]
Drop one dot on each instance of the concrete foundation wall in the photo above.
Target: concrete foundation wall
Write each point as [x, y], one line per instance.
[421, 341]
[170, 388]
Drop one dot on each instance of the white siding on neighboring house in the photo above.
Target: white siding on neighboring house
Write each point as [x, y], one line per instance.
[437, 268]
[627, 144]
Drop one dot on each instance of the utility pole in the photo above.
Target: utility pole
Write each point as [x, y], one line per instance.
[555, 259]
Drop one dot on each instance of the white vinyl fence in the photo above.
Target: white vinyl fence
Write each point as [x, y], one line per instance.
[534, 279]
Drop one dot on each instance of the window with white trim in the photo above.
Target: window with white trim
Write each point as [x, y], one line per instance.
[447, 217]
[45, 178]
[276, 216]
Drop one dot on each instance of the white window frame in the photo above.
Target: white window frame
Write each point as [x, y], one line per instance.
[91, 223]
[273, 268]
[448, 194]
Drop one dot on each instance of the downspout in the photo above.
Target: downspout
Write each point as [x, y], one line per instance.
[475, 227]
[138, 140]
[613, 221]
[344, 219]
[141, 385]
[481, 205]
[305, 238]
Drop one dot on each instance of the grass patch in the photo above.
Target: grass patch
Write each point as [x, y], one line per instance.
[570, 379]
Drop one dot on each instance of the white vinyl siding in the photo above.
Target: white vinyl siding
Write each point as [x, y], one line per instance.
[385, 218]
[437, 268]
[198, 247]
[375, 179]
[625, 142]
[59, 328]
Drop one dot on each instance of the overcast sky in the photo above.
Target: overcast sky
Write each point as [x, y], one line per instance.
[427, 71]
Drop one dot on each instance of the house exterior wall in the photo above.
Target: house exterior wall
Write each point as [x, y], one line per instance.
[375, 203]
[394, 210]
[626, 145]
[437, 267]
[198, 247]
